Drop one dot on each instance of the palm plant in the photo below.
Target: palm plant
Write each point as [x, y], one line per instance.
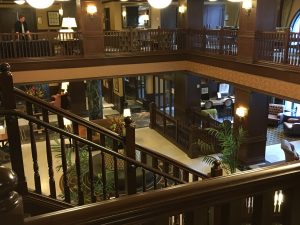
[229, 140]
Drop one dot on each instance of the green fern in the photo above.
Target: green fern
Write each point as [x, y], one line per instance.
[230, 141]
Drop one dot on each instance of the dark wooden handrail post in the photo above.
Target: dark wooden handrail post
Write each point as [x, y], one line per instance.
[216, 169]
[13, 132]
[202, 32]
[221, 41]
[152, 115]
[286, 46]
[11, 204]
[130, 172]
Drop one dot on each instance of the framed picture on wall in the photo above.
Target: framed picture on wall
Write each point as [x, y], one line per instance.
[53, 19]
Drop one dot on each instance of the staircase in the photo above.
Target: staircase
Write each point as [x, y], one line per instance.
[96, 164]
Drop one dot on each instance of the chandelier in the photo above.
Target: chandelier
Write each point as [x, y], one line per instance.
[159, 4]
[40, 4]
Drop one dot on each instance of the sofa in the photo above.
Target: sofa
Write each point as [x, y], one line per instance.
[289, 151]
[275, 115]
[292, 127]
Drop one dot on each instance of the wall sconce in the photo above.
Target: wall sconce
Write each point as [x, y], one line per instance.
[241, 112]
[61, 11]
[124, 13]
[247, 5]
[182, 9]
[91, 9]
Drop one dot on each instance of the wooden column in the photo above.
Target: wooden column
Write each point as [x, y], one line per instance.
[194, 14]
[130, 172]
[259, 19]
[255, 124]
[91, 27]
[13, 132]
[187, 95]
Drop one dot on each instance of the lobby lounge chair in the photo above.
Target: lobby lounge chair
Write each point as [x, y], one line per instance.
[275, 115]
[289, 151]
[292, 127]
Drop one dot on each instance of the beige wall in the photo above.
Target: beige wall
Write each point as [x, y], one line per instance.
[155, 18]
[263, 84]
[290, 8]
[118, 86]
[232, 10]
[42, 13]
[115, 15]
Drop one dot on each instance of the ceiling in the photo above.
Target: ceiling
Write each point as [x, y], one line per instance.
[12, 1]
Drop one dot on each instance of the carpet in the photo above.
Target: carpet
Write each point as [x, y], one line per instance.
[276, 134]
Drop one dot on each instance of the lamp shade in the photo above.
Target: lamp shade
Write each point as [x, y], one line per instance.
[19, 2]
[126, 113]
[40, 4]
[159, 4]
[69, 22]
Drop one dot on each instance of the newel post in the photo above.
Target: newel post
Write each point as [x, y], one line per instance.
[13, 132]
[216, 169]
[130, 171]
[11, 204]
[152, 110]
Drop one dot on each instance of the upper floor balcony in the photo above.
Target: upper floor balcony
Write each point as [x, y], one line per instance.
[277, 47]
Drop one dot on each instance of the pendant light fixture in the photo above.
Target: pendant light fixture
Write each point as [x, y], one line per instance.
[38, 4]
[159, 4]
[19, 2]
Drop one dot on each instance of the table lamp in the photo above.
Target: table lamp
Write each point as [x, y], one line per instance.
[68, 22]
[67, 34]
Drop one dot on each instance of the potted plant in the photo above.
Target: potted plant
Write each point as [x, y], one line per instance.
[229, 140]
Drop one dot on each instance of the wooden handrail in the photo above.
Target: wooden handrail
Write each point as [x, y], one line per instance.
[178, 199]
[168, 159]
[67, 114]
[87, 142]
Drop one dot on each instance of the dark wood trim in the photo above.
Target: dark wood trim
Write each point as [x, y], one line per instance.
[60, 63]
[144, 207]
[36, 204]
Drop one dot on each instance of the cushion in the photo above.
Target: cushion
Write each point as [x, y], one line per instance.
[275, 109]
[273, 117]
[293, 120]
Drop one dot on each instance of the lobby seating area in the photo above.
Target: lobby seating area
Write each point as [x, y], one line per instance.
[275, 115]
[292, 127]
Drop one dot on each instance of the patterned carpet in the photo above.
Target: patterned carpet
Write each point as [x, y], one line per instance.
[276, 134]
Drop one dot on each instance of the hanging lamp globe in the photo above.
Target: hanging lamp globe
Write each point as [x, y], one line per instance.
[159, 4]
[38, 4]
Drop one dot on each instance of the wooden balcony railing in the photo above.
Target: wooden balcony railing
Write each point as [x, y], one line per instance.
[217, 42]
[33, 45]
[182, 135]
[281, 47]
[94, 164]
[144, 41]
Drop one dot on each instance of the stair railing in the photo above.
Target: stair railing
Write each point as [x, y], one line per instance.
[93, 133]
[262, 196]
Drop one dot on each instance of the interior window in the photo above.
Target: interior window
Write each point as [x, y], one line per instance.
[295, 25]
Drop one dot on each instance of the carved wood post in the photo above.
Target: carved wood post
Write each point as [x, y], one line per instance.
[11, 204]
[152, 115]
[286, 45]
[216, 169]
[13, 132]
[130, 171]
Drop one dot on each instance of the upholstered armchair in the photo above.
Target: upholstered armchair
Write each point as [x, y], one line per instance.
[275, 115]
[292, 127]
[289, 151]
